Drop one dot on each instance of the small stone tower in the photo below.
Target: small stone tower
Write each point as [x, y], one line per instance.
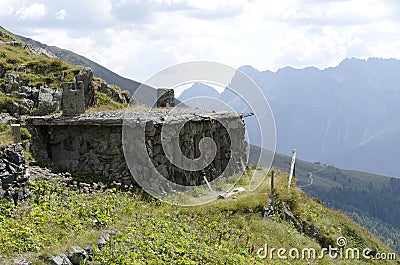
[165, 98]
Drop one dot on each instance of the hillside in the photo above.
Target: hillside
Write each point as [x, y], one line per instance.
[43, 214]
[229, 231]
[369, 199]
[31, 81]
[98, 70]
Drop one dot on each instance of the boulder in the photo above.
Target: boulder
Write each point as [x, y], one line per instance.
[48, 101]
[59, 260]
[27, 106]
[78, 256]
[14, 83]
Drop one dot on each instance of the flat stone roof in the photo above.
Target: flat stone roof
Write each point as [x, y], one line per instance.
[116, 118]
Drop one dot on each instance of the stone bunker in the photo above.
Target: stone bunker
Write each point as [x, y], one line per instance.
[92, 143]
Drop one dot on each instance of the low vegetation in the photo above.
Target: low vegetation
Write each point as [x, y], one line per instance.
[229, 231]
[371, 200]
[105, 103]
[5, 135]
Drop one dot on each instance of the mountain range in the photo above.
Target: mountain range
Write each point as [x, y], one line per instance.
[344, 115]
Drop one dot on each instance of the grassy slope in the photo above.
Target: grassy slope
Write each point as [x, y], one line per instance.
[223, 232]
[39, 71]
[371, 199]
[100, 71]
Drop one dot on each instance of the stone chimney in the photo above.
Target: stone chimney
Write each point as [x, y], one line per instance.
[165, 98]
[73, 99]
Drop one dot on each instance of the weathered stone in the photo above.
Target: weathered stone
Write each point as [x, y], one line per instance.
[165, 97]
[86, 77]
[48, 101]
[113, 93]
[21, 262]
[92, 143]
[59, 260]
[14, 83]
[78, 256]
[13, 108]
[73, 99]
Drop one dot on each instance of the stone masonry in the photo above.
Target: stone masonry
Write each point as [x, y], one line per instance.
[92, 143]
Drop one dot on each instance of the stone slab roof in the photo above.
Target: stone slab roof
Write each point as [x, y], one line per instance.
[116, 118]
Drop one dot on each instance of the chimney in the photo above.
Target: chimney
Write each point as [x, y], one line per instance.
[165, 98]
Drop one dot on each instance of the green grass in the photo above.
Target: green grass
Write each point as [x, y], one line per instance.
[105, 103]
[37, 70]
[365, 196]
[5, 135]
[226, 231]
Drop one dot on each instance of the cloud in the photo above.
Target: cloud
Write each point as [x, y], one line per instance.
[61, 14]
[137, 38]
[33, 11]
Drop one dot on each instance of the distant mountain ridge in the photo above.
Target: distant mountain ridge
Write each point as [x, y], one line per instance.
[344, 115]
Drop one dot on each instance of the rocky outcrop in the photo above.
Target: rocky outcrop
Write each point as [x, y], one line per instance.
[48, 101]
[45, 100]
[165, 97]
[37, 50]
[80, 255]
[113, 93]
[14, 83]
[85, 77]
[12, 174]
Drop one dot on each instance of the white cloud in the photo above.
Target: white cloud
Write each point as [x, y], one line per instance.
[61, 14]
[6, 8]
[139, 38]
[33, 11]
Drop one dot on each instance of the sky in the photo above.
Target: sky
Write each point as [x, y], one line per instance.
[136, 38]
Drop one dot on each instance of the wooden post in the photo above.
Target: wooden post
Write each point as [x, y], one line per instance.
[292, 167]
[272, 190]
[269, 210]
[208, 183]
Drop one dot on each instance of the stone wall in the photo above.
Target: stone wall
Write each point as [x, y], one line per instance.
[92, 144]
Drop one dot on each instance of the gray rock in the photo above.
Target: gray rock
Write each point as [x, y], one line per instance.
[101, 242]
[14, 83]
[78, 256]
[113, 93]
[48, 101]
[38, 50]
[165, 97]
[21, 262]
[26, 90]
[2, 71]
[90, 251]
[13, 108]
[27, 106]
[59, 260]
[86, 77]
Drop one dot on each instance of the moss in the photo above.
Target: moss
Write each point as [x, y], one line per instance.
[25, 134]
